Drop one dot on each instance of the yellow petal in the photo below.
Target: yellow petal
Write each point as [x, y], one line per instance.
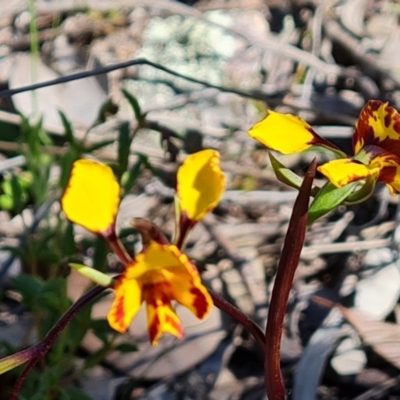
[91, 198]
[201, 184]
[154, 258]
[344, 171]
[389, 166]
[161, 317]
[128, 298]
[186, 288]
[286, 133]
[165, 264]
[379, 125]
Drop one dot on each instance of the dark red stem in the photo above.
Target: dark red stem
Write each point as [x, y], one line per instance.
[47, 343]
[118, 248]
[288, 262]
[185, 225]
[240, 317]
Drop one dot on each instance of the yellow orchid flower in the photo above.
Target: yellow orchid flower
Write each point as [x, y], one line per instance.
[376, 144]
[159, 275]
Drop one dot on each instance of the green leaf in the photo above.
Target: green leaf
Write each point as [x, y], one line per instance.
[288, 177]
[66, 166]
[124, 146]
[126, 347]
[6, 202]
[15, 193]
[129, 178]
[68, 242]
[102, 329]
[328, 198]
[107, 109]
[53, 295]
[96, 358]
[69, 135]
[93, 274]
[30, 288]
[363, 193]
[63, 395]
[15, 251]
[77, 394]
[134, 104]
[100, 254]
[99, 145]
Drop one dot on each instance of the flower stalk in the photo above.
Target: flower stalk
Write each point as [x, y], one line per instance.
[288, 262]
[39, 350]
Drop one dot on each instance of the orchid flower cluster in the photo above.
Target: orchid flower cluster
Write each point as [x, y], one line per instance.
[351, 179]
[161, 275]
[161, 272]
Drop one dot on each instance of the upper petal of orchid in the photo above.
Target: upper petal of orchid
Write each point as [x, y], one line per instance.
[92, 196]
[344, 171]
[161, 317]
[287, 134]
[150, 262]
[201, 184]
[379, 125]
[128, 298]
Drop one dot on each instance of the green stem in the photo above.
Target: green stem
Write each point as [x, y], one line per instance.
[34, 47]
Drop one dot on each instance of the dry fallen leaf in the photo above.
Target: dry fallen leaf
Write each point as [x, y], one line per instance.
[383, 337]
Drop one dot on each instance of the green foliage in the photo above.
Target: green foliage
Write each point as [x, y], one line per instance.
[327, 199]
[134, 104]
[48, 246]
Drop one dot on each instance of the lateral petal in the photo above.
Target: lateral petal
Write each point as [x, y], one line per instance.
[379, 125]
[201, 184]
[186, 288]
[92, 196]
[161, 317]
[389, 166]
[287, 134]
[128, 298]
[344, 171]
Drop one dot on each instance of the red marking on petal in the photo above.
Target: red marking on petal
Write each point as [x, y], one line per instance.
[175, 324]
[200, 302]
[319, 141]
[153, 328]
[365, 135]
[119, 311]
[387, 174]
[364, 132]
[374, 104]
